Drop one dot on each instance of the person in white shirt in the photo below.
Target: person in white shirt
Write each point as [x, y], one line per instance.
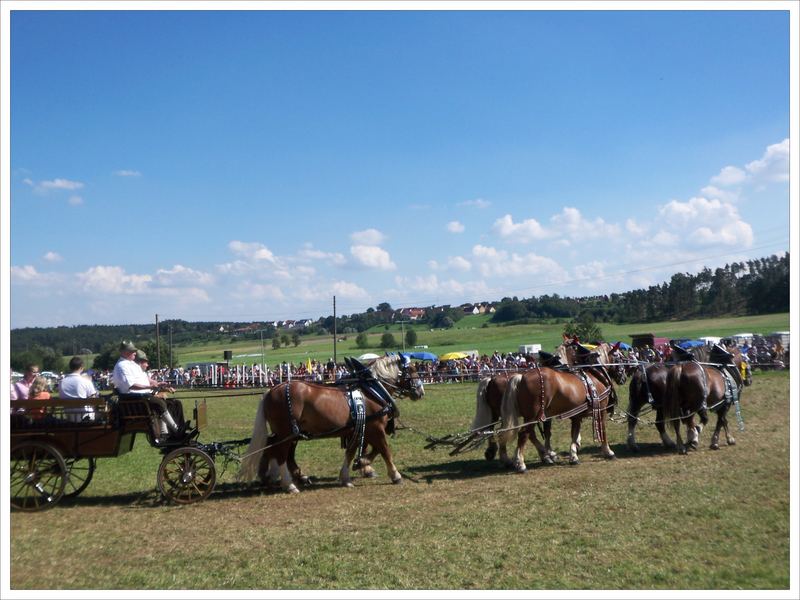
[130, 381]
[77, 386]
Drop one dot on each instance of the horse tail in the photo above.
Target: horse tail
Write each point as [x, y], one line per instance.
[248, 470]
[671, 408]
[509, 409]
[483, 413]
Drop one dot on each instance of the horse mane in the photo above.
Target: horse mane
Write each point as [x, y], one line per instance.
[385, 368]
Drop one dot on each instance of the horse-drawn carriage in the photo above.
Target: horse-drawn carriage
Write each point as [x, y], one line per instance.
[55, 445]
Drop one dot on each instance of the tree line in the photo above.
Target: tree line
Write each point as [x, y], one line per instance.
[757, 286]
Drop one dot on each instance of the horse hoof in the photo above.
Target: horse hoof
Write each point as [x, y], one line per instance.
[521, 469]
[292, 489]
[348, 484]
[633, 447]
[683, 451]
[370, 474]
[548, 460]
[304, 480]
[611, 457]
[397, 481]
[714, 446]
[574, 461]
[489, 454]
[731, 442]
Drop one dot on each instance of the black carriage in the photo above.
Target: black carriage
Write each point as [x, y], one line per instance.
[55, 445]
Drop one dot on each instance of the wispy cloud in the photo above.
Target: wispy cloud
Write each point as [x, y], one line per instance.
[51, 256]
[45, 186]
[476, 203]
[127, 173]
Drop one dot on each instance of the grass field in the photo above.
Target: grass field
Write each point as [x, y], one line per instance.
[470, 334]
[656, 520]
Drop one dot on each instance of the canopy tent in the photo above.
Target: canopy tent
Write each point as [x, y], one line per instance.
[422, 355]
[623, 345]
[368, 356]
[452, 356]
[691, 344]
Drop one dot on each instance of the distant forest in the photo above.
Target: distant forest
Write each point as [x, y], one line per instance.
[757, 286]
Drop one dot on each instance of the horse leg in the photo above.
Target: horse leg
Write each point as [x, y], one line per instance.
[365, 463]
[344, 473]
[691, 432]
[281, 454]
[575, 432]
[662, 429]
[381, 445]
[728, 437]
[491, 450]
[633, 419]
[540, 448]
[548, 433]
[294, 468]
[605, 449]
[519, 456]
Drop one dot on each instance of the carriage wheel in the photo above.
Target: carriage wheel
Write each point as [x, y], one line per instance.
[187, 475]
[80, 475]
[38, 476]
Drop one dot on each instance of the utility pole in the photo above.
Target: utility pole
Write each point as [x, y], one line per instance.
[158, 345]
[334, 329]
[403, 333]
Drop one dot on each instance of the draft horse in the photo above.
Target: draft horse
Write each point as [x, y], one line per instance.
[694, 389]
[544, 393]
[360, 414]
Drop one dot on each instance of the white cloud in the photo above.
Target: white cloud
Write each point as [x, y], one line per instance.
[477, 203]
[43, 187]
[332, 258]
[113, 280]
[179, 275]
[702, 221]
[25, 273]
[127, 173]
[526, 231]
[570, 222]
[51, 256]
[75, 200]
[368, 237]
[634, 228]
[251, 250]
[373, 257]
[348, 290]
[773, 166]
[455, 227]
[491, 262]
[729, 176]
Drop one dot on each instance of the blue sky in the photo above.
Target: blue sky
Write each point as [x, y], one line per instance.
[251, 165]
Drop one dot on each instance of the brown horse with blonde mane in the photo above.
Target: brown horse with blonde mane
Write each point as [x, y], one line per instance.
[544, 393]
[694, 388]
[360, 414]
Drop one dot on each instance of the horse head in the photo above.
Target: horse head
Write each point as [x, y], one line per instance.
[400, 375]
[618, 366]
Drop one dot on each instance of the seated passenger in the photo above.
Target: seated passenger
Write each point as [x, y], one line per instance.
[132, 382]
[77, 386]
[38, 391]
